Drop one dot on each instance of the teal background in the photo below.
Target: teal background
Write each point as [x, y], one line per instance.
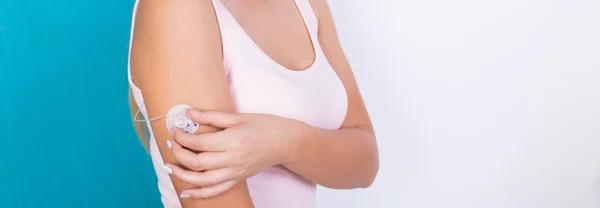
[66, 139]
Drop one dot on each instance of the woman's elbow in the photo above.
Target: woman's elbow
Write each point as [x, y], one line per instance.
[372, 174]
[372, 166]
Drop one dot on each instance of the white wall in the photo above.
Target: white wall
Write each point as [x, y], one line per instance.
[477, 103]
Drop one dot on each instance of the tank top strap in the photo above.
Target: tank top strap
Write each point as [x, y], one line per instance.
[132, 26]
[219, 9]
[309, 16]
[224, 20]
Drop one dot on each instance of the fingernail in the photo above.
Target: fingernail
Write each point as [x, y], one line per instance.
[189, 111]
[166, 168]
[169, 144]
[195, 112]
[185, 196]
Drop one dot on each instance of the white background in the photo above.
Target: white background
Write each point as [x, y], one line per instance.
[477, 103]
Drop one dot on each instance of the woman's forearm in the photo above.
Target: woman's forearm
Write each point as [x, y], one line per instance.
[338, 159]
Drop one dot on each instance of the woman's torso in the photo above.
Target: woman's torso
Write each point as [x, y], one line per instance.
[274, 68]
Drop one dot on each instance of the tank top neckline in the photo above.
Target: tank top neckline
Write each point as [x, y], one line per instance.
[300, 6]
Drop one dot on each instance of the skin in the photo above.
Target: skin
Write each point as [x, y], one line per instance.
[176, 51]
[342, 159]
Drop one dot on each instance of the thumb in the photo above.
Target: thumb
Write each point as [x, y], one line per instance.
[217, 119]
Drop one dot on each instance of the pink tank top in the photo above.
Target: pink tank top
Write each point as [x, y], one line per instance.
[260, 85]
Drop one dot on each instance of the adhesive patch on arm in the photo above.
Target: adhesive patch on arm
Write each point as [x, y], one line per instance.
[176, 117]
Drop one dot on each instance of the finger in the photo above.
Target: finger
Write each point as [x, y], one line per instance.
[215, 118]
[214, 141]
[180, 134]
[187, 176]
[208, 192]
[201, 179]
[201, 161]
[184, 156]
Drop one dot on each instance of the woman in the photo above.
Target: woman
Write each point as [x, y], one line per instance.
[278, 105]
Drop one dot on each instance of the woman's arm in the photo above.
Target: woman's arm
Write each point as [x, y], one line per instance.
[344, 158]
[176, 59]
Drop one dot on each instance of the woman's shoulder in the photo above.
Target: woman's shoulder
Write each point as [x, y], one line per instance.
[316, 6]
[320, 8]
[202, 9]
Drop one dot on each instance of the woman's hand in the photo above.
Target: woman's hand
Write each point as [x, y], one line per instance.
[248, 144]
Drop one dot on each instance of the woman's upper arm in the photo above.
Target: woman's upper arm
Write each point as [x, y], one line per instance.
[176, 59]
[357, 116]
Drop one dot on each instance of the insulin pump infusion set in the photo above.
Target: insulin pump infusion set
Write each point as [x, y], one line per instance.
[176, 117]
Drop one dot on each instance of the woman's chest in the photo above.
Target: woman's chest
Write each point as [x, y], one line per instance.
[317, 98]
